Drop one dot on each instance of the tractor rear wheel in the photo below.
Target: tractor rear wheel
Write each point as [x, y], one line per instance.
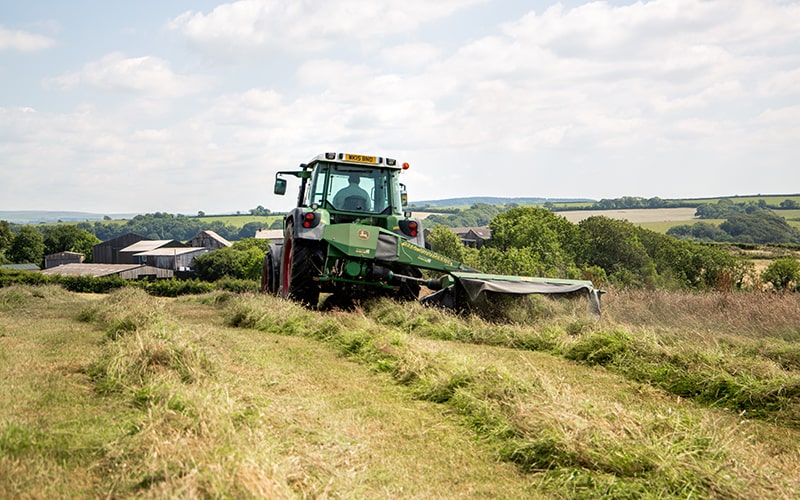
[302, 262]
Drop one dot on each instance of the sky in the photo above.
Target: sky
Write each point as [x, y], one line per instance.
[188, 106]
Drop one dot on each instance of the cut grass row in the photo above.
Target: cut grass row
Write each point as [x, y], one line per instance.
[132, 395]
[592, 446]
[129, 395]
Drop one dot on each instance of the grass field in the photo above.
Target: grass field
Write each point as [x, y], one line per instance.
[668, 395]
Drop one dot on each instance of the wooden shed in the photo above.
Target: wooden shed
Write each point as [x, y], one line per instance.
[124, 271]
[131, 253]
[178, 259]
[61, 258]
[209, 239]
[107, 252]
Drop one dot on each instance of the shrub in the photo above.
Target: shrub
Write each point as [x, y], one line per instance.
[782, 272]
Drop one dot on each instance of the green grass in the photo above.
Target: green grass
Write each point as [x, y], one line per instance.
[225, 395]
[240, 220]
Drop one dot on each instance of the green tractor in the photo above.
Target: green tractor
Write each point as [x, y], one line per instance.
[350, 236]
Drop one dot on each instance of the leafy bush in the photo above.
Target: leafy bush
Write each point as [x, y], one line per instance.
[782, 272]
[174, 287]
[231, 262]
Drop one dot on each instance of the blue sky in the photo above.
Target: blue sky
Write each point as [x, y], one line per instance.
[118, 107]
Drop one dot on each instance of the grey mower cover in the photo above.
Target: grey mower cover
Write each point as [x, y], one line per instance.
[477, 283]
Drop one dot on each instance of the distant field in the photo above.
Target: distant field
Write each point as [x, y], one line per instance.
[241, 220]
[636, 215]
[771, 199]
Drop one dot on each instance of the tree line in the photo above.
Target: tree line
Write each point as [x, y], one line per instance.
[531, 241]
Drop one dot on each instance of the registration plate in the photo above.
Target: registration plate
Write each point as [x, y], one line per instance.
[360, 158]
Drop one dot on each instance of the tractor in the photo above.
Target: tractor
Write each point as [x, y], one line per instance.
[351, 236]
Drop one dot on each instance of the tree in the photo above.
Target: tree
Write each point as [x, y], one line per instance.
[259, 210]
[444, 241]
[249, 230]
[6, 235]
[242, 262]
[614, 246]
[68, 238]
[549, 239]
[27, 247]
[789, 204]
[762, 226]
[782, 272]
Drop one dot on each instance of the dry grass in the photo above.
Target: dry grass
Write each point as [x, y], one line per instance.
[249, 396]
[765, 315]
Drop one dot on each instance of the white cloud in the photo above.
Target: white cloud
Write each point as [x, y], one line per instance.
[144, 76]
[23, 41]
[411, 55]
[564, 102]
[257, 25]
[782, 83]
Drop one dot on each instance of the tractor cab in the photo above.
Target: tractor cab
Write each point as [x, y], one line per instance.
[350, 187]
[354, 188]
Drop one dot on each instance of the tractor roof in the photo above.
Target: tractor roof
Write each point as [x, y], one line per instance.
[356, 159]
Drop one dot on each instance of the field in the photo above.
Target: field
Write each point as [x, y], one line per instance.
[221, 395]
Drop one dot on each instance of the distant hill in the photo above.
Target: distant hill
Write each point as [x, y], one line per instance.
[48, 216]
[469, 201]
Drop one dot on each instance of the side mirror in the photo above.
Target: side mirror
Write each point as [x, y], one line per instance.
[280, 186]
[403, 195]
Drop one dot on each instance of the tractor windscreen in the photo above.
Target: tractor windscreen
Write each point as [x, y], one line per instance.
[356, 189]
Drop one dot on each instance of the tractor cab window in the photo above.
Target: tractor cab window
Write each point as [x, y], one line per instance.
[356, 189]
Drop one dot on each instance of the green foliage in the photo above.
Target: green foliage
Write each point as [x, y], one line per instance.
[27, 247]
[531, 241]
[243, 262]
[260, 211]
[699, 231]
[479, 214]
[760, 227]
[782, 272]
[444, 241]
[614, 246]
[174, 287]
[6, 235]
[160, 226]
[68, 238]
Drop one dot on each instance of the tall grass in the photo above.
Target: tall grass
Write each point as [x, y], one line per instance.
[605, 451]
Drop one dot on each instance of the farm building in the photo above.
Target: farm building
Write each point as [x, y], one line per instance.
[274, 235]
[130, 254]
[107, 252]
[209, 239]
[61, 258]
[124, 271]
[473, 237]
[179, 259]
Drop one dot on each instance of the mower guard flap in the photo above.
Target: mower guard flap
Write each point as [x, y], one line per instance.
[477, 283]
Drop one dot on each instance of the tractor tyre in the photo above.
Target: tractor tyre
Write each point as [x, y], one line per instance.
[269, 275]
[302, 262]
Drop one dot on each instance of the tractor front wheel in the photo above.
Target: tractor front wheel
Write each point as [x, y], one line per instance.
[269, 274]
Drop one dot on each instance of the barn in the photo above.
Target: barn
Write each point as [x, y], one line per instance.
[107, 252]
[61, 258]
[124, 271]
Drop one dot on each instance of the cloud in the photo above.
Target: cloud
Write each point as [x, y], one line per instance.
[146, 76]
[23, 41]
[259, 25]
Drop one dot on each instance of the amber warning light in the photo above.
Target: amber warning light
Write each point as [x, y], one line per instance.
[405, 166]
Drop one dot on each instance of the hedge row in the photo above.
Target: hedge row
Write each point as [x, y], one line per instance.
[90, 284]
